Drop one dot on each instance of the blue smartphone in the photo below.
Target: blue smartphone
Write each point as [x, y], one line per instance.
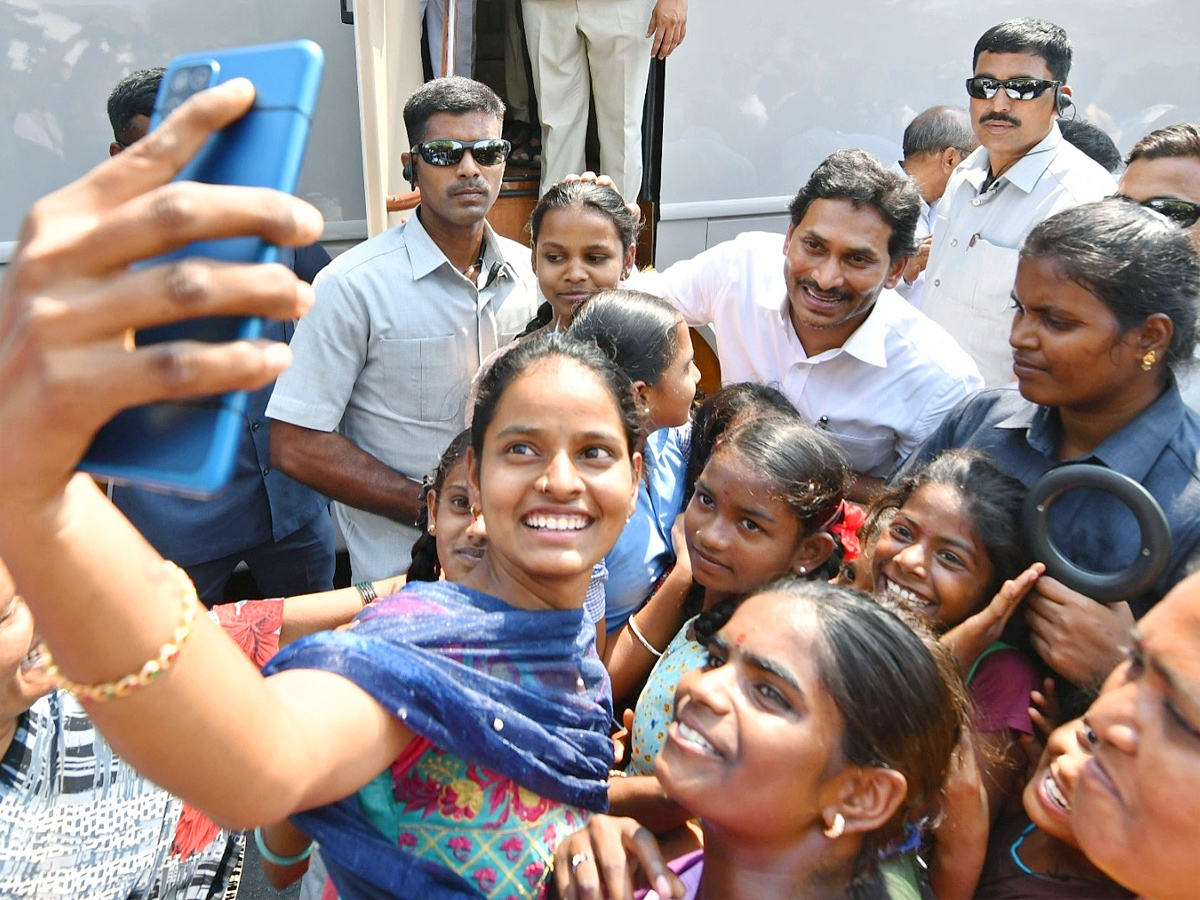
[190, 446]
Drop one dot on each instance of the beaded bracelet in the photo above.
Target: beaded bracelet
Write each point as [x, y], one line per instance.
[366, 590]
[637, 633]
[272, 857]
[167, 653]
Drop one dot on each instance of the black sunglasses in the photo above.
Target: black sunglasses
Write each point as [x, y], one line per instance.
[487, 152]
[983, 88]
[1183, 213]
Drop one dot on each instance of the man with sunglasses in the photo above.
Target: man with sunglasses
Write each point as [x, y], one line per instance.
[1162, 172]
[400, 324]
[1022, 173]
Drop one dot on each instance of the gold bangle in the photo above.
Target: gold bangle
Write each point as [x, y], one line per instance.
[167, 653]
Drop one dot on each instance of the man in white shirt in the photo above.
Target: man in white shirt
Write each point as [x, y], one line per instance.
[935, 142]
[1024, 172]
[825, 326]
[400, 324]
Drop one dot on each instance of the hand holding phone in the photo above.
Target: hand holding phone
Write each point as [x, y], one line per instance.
[189, 446]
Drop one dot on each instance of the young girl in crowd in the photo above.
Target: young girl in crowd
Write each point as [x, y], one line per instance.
[583, 239]
[448, 546]
[953, 541]
[788, 746]
[1033, 854]
[649, 341]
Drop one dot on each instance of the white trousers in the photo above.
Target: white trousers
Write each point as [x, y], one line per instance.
[575, 45]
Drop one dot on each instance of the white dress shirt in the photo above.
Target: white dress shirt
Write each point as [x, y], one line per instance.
[978, 235]
[878, 395]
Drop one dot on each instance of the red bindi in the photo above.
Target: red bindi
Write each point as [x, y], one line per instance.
[740, 639]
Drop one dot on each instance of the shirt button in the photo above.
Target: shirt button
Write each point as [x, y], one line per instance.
[266, 472]
[974, 202]
[937, 282]
[953, 243]
[254, 426]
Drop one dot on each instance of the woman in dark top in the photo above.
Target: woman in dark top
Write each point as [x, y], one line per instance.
[1104, 309]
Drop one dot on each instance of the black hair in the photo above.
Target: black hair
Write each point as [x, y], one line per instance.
[133, 96]
[1182, 140]
[1092, 141]
[514, 363]
[588, 195]
[993, 498]
[939, 128]
[1131, 259]
[426, 566]
[635, 330]
[857, 176]
[900, 707]
[454, 94]
[1037, 36]
[714, 416]
[579, 195]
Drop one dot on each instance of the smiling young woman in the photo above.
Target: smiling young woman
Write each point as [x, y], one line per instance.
[782, 746]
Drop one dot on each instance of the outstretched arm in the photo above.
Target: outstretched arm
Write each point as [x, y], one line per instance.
[104, 600]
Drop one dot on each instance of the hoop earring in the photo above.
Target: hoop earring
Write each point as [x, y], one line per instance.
[834, 831]
[1149, 360]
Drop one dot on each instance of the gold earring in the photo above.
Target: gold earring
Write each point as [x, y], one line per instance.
[1149, 360]
[432, 529]
[475, 512]
[834, 831]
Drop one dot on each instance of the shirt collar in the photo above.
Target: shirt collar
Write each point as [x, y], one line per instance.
[867, 343]
[425, 256]
[1025, 172]
[1133, 450]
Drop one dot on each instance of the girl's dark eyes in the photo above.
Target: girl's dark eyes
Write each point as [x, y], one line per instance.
[703, 499]
[598, 453]
[1016, 305]
[751, 526]
[460, 503]
[713, 659]
[598, 259]
[771, 695]
[952, 559]
[900, 532]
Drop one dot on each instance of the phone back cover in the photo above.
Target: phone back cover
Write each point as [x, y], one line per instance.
[191, 446]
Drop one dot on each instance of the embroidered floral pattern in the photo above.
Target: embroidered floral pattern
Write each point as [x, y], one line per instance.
[494, 833]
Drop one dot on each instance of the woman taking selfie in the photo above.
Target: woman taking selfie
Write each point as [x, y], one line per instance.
[353, 727]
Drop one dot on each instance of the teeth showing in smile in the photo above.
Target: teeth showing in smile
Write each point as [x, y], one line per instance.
[31, 659]
[557, 523]
[903, 595]
[694, 737]
[1053, 792]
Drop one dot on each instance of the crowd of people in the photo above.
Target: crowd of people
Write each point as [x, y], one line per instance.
[617, 639]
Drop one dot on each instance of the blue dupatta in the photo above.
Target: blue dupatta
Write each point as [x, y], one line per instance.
[519, 692]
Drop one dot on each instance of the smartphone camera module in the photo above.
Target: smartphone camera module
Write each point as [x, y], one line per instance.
[188, 81]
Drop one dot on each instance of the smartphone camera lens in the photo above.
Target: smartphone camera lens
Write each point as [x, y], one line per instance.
[200, 78]
[179, 83]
